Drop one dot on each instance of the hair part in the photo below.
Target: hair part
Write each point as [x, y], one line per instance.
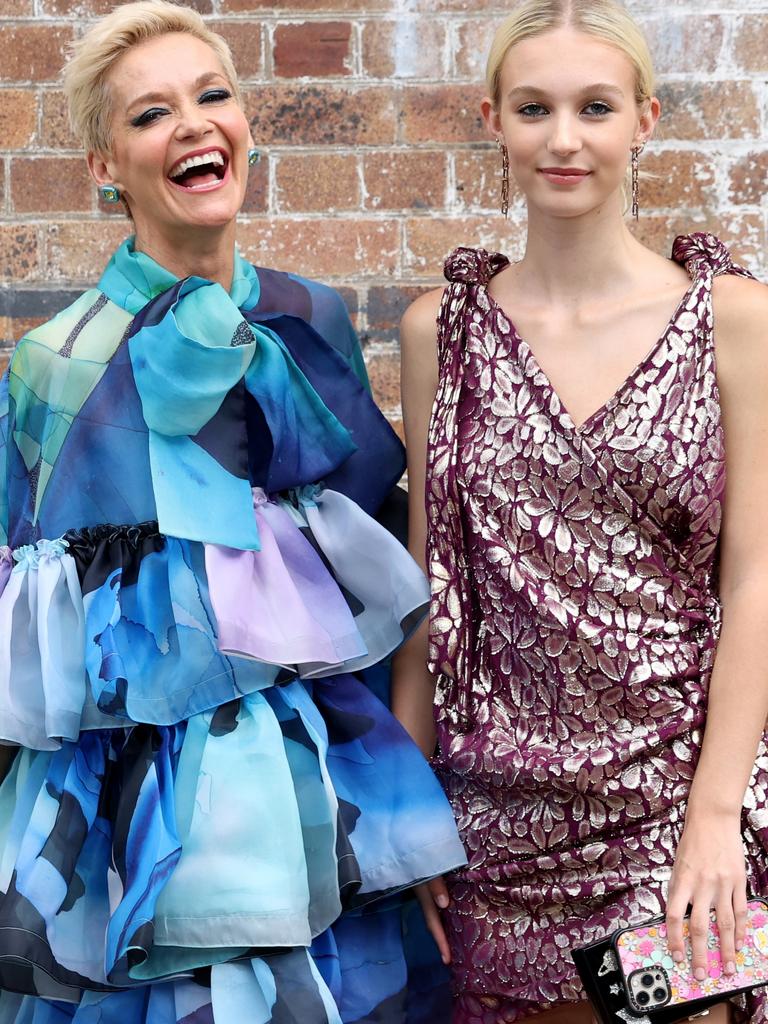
[86, 74]
[607, 20]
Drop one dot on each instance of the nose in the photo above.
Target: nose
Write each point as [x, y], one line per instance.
[193, 121]
[565, 138]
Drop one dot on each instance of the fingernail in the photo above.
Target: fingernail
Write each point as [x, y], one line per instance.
[677, 956]
[699, 974]
[730, 967]
[442, 901]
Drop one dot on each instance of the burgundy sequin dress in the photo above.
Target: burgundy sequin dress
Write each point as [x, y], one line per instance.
[574, 624]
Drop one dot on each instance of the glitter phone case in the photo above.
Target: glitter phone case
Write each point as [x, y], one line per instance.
[653, 981]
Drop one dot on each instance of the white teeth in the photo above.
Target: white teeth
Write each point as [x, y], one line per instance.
[214, 157]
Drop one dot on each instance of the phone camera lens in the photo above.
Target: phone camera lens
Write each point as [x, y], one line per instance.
[642, 998]
[659, 994]
[647, 980]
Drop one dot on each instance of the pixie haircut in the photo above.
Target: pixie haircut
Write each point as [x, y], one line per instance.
[607, 20]
[86, 74]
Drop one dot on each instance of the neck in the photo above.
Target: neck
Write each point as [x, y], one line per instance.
[206, 252]
[569, 261]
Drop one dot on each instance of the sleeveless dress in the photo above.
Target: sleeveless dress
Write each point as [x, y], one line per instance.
[574, 624]
[210, 809]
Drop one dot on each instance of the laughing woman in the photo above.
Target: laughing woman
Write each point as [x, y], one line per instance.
[190, 587]
[596, 488]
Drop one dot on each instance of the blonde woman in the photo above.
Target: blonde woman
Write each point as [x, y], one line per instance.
[596, 490]
[191, 590]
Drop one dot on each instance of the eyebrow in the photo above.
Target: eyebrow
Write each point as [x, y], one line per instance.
[152, 97]
[589, 90]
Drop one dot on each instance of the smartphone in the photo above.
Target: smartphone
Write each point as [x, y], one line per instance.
[653, 980]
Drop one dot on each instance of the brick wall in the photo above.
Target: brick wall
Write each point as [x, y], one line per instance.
[374, 160]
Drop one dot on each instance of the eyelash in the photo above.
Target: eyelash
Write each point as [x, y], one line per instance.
[148, 117]
[532, 110]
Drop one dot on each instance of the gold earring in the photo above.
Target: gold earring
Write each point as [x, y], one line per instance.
[504, 175]
[636, 151]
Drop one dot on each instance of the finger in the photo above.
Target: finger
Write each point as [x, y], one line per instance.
[434, 923]
[438, 890]
[698, 929]
[726, 927]
[677, 905]
[740, 915]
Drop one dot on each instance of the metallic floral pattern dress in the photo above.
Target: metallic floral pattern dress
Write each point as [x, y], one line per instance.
[575, 619]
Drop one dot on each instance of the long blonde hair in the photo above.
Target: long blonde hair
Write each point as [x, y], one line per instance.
[86, 85]
[607, 20]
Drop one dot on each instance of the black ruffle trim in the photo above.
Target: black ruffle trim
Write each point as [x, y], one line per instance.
[99, 550]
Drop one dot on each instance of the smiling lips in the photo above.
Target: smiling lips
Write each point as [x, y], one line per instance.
[200, 171]
[564, 175]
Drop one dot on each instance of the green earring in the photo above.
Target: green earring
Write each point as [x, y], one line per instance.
[253, 157]
[109, 193]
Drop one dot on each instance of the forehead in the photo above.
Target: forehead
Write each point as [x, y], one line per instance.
[565, 59]
[162, 64]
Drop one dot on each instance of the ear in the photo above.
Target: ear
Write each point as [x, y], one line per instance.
[101, 168]
[649, 116]
[491, 117]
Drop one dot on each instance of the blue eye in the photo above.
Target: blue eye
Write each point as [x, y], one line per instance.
[148, 116]
[215, 96]
[532, 110]
[598, 109]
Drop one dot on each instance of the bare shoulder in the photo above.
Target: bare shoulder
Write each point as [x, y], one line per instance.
[741, 311]
[419, 323]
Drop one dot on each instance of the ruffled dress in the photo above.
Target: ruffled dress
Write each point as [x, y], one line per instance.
[208, 803]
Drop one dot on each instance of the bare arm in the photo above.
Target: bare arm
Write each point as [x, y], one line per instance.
[709, 868]
[413, 686]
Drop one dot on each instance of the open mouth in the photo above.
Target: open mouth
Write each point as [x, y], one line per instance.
[201, 171]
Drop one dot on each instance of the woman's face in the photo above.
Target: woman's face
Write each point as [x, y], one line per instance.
[180, 139]
[569, 118]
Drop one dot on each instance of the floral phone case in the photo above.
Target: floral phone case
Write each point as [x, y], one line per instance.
[653, 980]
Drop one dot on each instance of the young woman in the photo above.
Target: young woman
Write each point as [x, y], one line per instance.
[203, 781]
[596, 485]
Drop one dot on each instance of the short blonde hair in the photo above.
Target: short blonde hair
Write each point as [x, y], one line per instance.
[607, 20]
[86, 74]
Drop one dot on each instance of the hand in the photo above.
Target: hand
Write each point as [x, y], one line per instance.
[433, 895]
[709, 872]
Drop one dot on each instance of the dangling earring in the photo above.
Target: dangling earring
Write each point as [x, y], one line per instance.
[504, 175]
[636, 151]
[109, 193]
[253, 156]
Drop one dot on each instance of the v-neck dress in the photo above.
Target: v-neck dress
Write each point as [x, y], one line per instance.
[574, 623]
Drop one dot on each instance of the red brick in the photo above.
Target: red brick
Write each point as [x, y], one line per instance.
[307, 6]
[684, 42]
[384, 374]
[750, 43]
[257, 193]
[314, 115]
[6, 333]
[442, 113]
[317, 182]
[472, 45]
[75, 8]
[77, 251]
[246, 43]
[405, 179]
[406, 48]
[709, 110]
[744, 234]
[2, 189]
[385, 307]
[16, 8]
[32, 52]
[682, 178]
[478, 179]
[324, 249]
[313, 49]
[748, 178]
[19, 252]
[430, 239]
[55, 131]
[50, 184]
[18, 116]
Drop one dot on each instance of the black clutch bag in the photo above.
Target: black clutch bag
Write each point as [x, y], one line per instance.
[603, 982]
